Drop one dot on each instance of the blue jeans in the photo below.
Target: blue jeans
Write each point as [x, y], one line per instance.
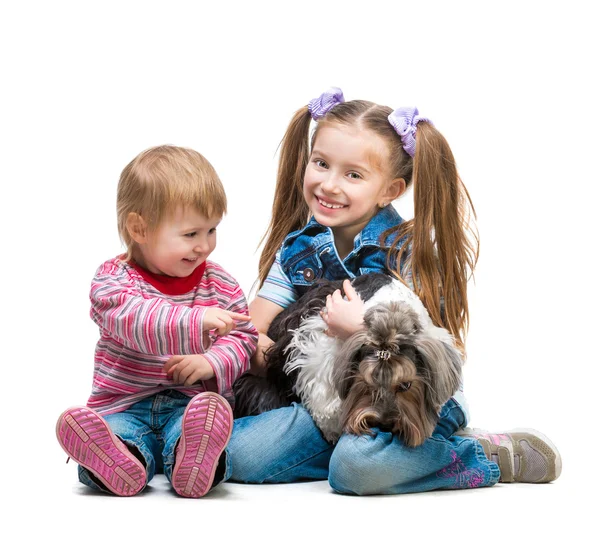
[285, 445]
[153, 427]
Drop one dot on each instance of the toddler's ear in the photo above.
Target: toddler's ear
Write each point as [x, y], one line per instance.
[136, 226]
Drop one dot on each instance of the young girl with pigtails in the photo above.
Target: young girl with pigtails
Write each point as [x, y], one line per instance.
[332, 219]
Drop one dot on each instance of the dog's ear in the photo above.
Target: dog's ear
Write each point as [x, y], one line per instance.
[346, 362]
[442, 365]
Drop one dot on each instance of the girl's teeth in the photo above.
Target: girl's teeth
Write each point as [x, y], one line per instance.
[330, 206]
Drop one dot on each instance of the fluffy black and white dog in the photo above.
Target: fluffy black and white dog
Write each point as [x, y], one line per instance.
[396, 374]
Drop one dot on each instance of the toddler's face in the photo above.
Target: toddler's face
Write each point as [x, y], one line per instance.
[346, 178]
[180, 244]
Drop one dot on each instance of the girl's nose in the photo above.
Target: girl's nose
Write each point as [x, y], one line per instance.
[330, 184]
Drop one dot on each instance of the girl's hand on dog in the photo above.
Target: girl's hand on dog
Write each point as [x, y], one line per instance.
[343, 317]
[188, 369]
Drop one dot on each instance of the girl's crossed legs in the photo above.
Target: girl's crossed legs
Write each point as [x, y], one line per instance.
[285, 445]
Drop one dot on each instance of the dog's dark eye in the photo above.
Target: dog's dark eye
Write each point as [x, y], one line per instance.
[403, 387]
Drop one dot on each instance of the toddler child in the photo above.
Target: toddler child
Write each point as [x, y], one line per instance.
[174, 336]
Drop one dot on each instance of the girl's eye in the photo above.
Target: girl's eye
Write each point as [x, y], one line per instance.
[191, 235]
[212, 231]
[321, 163]
[354, 175]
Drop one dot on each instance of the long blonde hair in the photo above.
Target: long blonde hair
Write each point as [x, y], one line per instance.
[438, 248]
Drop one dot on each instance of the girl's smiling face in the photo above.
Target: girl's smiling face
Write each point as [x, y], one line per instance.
[347, 179]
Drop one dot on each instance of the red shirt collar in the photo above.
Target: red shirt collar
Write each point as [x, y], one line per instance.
[166, 284]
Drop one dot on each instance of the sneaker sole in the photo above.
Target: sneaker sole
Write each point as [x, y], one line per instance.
[205, 431]
[544, 441]
[86, 438]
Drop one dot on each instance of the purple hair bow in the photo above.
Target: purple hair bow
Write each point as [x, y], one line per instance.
[405, 120]
[320, 106]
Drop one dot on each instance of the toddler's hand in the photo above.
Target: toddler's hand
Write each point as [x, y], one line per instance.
[221, 320]
[344, 317]
[188, 369]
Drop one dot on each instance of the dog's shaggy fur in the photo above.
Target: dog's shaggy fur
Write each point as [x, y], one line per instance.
[396, 374]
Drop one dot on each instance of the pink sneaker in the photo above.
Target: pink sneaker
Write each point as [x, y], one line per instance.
[205, 431]
[87, 439]
[523, 455]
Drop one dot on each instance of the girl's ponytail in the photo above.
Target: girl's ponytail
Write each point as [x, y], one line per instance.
[441, 245]
[290, 211]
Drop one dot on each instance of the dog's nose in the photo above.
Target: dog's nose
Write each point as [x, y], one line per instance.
[386, 427]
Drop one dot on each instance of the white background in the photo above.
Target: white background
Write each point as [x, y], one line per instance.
[512, 85]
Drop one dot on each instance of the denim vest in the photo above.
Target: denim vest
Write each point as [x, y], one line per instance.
[310, 254]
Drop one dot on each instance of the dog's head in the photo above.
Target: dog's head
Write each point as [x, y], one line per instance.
[395, 377]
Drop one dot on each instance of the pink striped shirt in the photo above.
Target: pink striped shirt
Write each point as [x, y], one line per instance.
[141, 328]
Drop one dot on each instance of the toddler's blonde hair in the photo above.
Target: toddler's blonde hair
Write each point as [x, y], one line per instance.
[162, 179]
